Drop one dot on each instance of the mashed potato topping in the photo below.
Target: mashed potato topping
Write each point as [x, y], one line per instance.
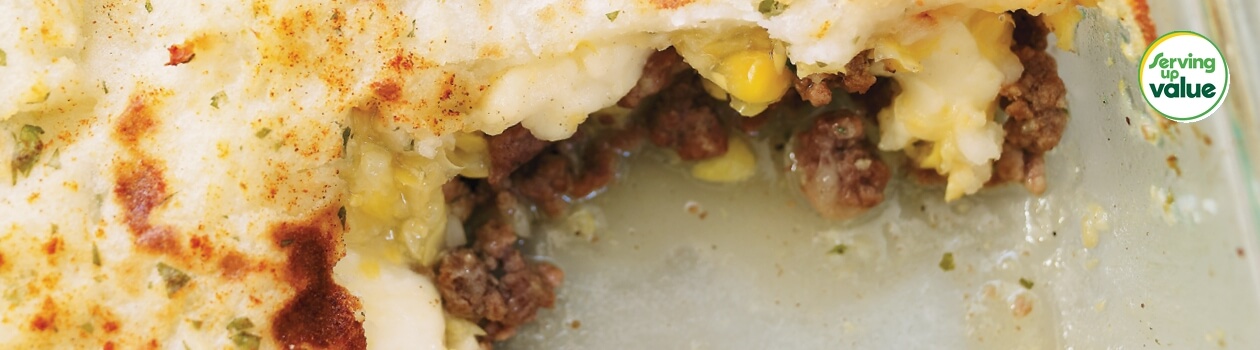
[202, 163]
[943, 117]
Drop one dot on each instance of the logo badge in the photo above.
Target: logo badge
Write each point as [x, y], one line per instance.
[1184, 76]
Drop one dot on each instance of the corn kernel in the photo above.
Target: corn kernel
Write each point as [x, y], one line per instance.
[736, 165]
[754, 78]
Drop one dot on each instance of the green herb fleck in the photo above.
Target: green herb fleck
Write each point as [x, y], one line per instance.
[240, 324]
[286, 242]
[262, 133]
[412, 34]
[947, 262]
[612, 16]
[104, 86]
[345, 137]
[839, 249]
[195, 323]
[4, 58]
[174, 278]
[54, 228]
[245, 340]
[96, 255]
[771, 8]
[1026, 283]
[411, 146]
[28, 148]
[148, 6]
[217, 99]
[842, 130]
[341, 214]
[87, 327]
[54, 161]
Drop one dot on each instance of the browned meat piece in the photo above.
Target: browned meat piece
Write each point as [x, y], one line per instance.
[841, 175]
[495, 239]
[460, 197]
[599, 169]
[686, 119]
[816, 88]
[878, 97]
[1036, 103]
[509, 150]
[467, 287]
[658, 72]
[545, 182]
[1030, 31]
[1037, 106]
[493, 285]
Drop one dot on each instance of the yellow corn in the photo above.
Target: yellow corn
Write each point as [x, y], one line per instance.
[736, 165]
[753, 77]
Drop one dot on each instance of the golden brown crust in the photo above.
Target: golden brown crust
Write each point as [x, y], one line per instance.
[1142, 15]
[322, 313]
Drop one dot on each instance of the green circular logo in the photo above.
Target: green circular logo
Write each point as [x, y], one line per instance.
[1184, 76]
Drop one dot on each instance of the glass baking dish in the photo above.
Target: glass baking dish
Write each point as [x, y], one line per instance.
[1147, 237]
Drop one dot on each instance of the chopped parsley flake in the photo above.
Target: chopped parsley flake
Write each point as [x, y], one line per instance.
[771, 8]
[341, 214]
[244, 340]
[345, 137]
[412, 34]
[947, 262]
[96, 255]
[148, 6]
[612, 16]
[174, 278]
[217, 99]
[839, 249]
[29, 147]
[262, 133]
[1026, 283]
[104, 86]
[240, 324]
[87, 327]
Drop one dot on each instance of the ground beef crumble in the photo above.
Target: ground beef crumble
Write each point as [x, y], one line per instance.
[492, 284]
[857, 79]
[1036, 105]
[841, 173]
[686, 119]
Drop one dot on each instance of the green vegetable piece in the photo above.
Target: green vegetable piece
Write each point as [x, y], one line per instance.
[29, 146]
[947, 262]
[244, 340]
[240, 324]
[96, 255]
[1026, 283]
[771, 8]
[217, 99]
[174, 278]
[839, 249]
